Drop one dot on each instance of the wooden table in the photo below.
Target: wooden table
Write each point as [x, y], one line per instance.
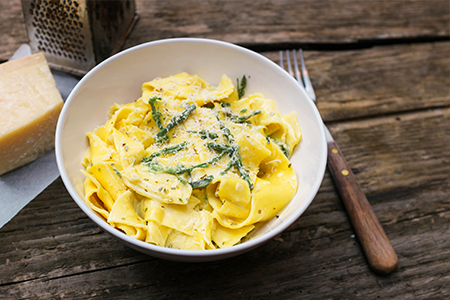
[381, 71]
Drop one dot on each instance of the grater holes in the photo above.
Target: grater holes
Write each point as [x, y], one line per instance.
[57, 28]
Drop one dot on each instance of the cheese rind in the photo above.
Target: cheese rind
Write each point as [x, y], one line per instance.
[30, 105]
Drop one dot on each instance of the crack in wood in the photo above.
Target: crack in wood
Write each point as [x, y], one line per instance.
[357, 45]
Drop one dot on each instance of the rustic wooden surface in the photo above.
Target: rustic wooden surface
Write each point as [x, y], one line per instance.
[381, 71]
[269, 23]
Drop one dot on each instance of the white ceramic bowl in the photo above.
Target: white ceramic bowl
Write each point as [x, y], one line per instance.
[119, 79]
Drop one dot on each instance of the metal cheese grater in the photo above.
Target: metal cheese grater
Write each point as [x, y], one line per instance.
[75, 35]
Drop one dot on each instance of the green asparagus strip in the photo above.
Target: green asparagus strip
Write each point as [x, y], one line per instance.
[216, 159]
[226, 132]
[205, 134]
[233, 152]
[246, 117]
[183, 181]
[235, 160]
[155, 113]
[220, 147]
[229, 166]
[202, 182]
[241, 169]
[174, 170]
[284, 148]
[165, 151]
[177, 119]
[180, 168]
[241, 86]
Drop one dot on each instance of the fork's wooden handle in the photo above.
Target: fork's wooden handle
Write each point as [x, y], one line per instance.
[377, 248]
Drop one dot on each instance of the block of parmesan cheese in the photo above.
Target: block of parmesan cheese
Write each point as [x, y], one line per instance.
[30, 105]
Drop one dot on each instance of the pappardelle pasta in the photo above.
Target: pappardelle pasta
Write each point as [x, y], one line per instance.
[191, 166]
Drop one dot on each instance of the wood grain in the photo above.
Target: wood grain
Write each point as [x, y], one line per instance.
[267, 22]
[379, 80]
[61, 253]
[275, 21]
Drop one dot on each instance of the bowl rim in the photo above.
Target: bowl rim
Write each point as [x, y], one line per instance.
[176, 254]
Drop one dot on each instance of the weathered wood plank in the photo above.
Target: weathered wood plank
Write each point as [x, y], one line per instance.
[254, 23]
[288, 267]
[380, 80]
[290, 21]
[12, 28]
[405, 174]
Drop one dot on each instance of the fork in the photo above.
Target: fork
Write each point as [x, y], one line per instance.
[376, 246]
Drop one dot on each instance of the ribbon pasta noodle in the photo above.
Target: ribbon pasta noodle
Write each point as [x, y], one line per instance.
[189, 165]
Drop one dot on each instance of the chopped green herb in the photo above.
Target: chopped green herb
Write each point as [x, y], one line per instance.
[117, 172]
[243, 110]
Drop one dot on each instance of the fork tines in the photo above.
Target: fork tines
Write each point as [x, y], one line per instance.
[303, 79]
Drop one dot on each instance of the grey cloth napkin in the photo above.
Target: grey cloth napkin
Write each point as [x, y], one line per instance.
[19, 187]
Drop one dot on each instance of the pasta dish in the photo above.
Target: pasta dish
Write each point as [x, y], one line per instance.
[191, 166]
